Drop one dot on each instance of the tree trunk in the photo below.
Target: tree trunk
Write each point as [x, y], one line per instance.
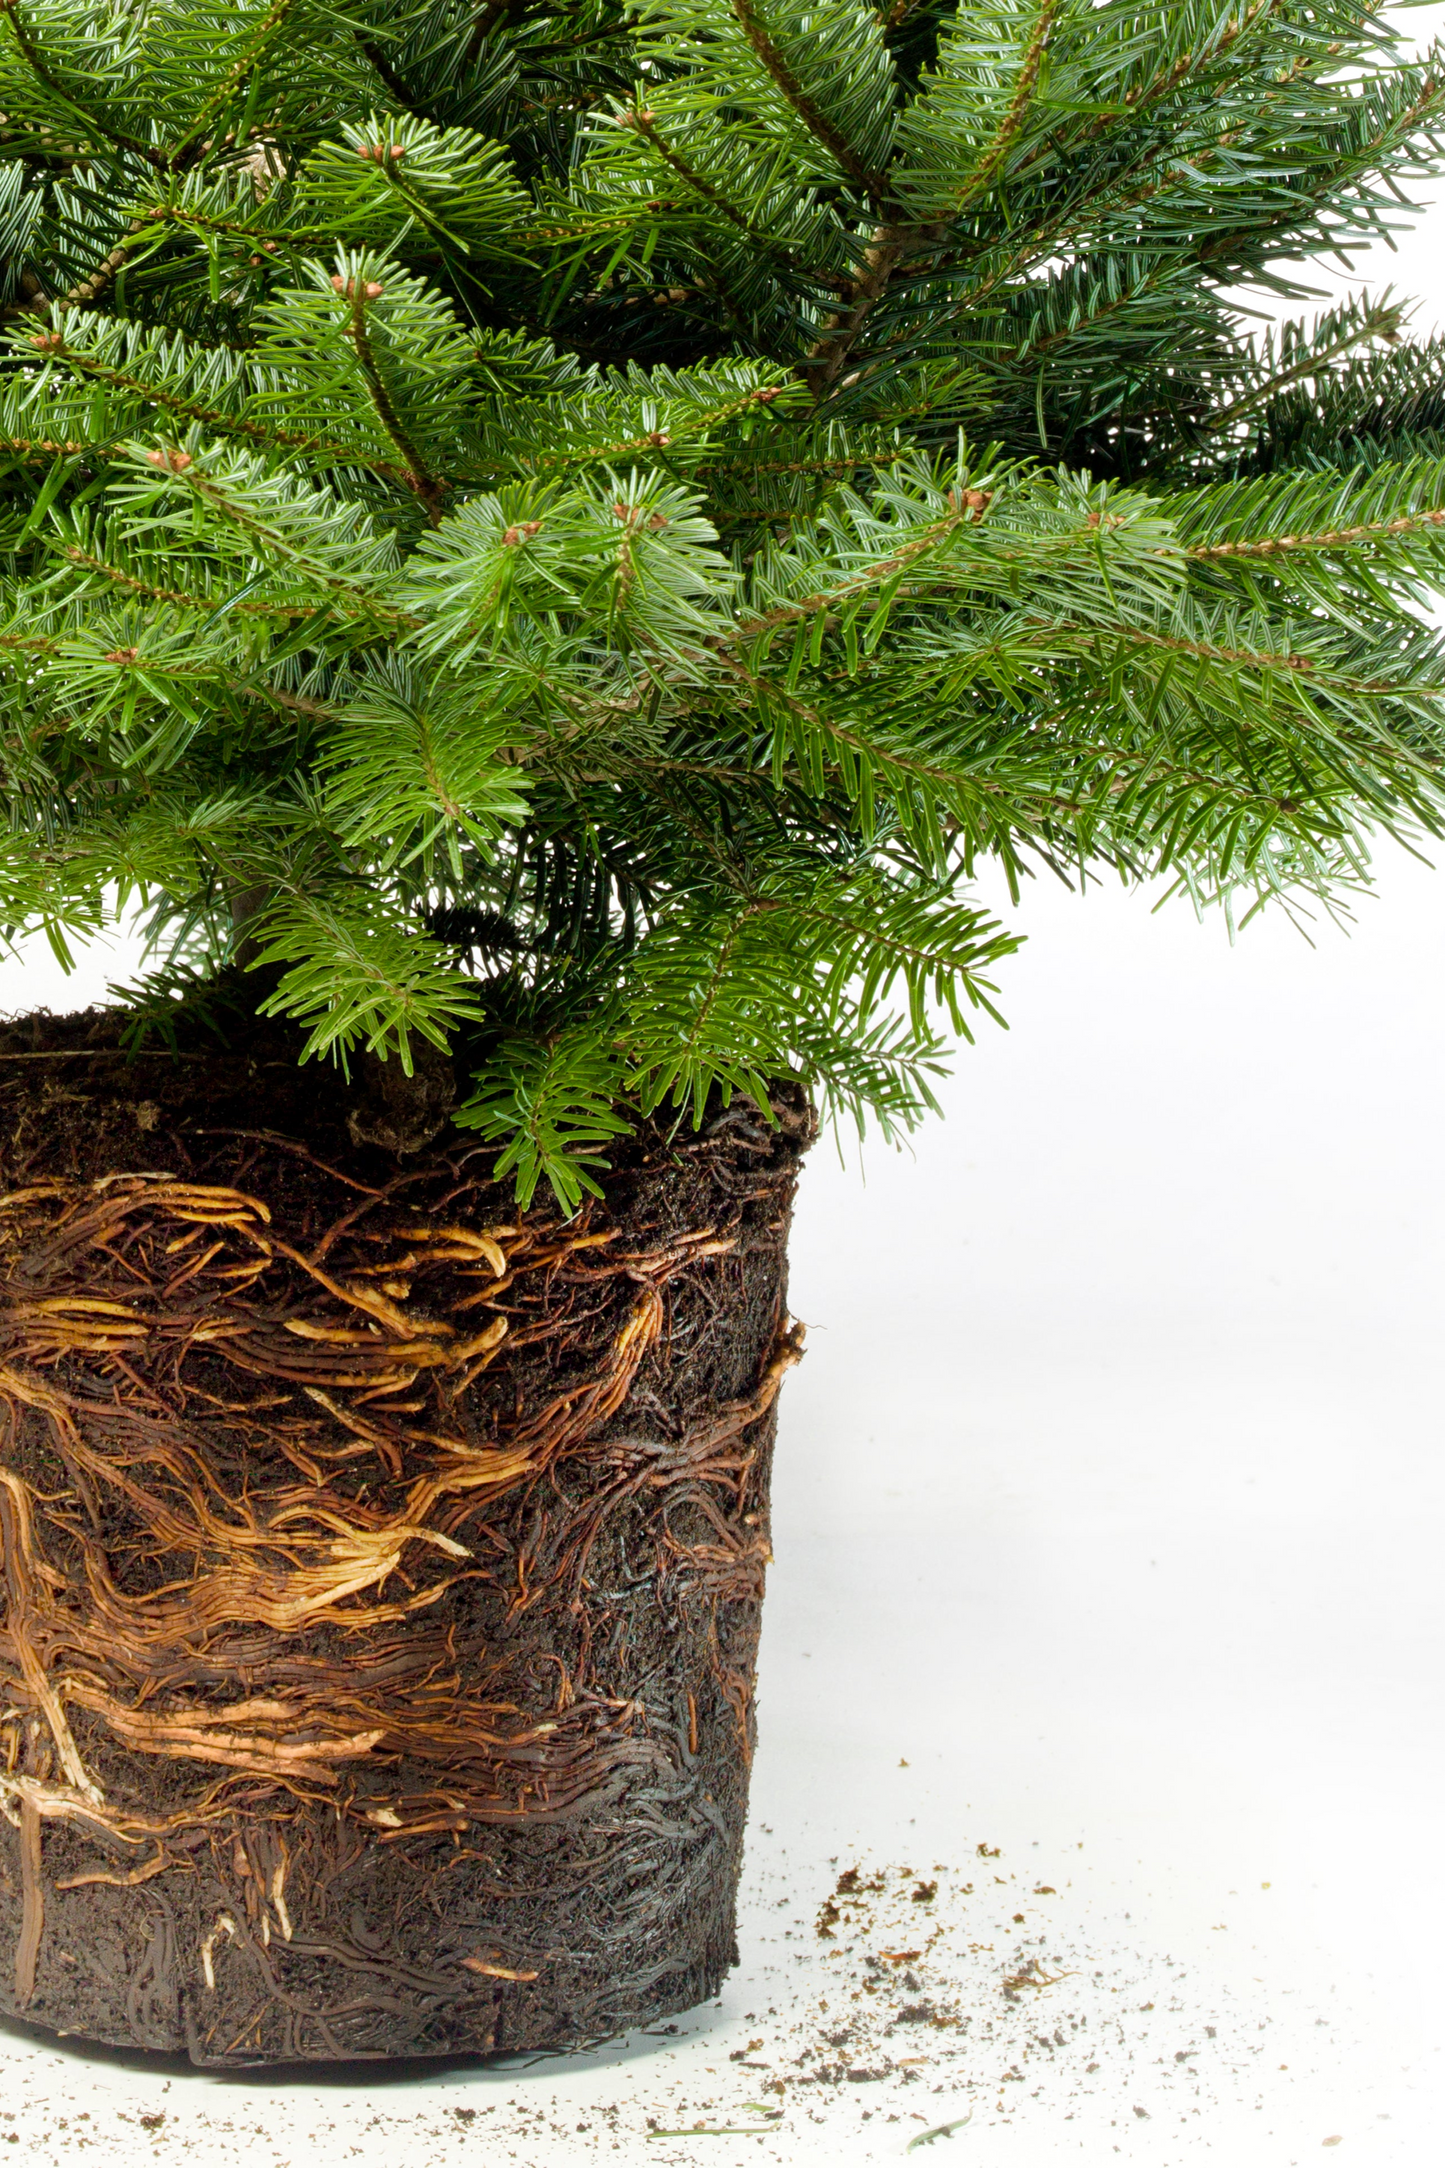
[382, 1568]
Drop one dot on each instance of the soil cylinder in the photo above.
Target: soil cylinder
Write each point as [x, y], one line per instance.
[382, 1567]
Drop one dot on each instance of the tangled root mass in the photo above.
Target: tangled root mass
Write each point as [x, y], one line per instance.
[381, 1568]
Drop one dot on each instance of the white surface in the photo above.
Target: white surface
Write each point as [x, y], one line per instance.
[1109, 1501]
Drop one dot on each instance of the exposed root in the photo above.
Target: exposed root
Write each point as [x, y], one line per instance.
[32, 1913]
[20, 1564]
[496, 1972]
[161, 1864]
[226, 1926]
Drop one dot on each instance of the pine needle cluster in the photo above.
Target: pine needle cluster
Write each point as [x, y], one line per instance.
[570, 529]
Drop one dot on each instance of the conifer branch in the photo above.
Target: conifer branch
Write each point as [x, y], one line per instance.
[194, 138]
[1180, 71]
[488, 16]
[827, 356]
[91, 287]
[1381, 320]
[231, 509]
[996, 150]
[1330, 538]
[175, 598]
[267, 237]
[53, 448]
[1081, 224]
[121, 140]
[873, 184]
[645, 124]
[880, 456]
[724, 796]
[395, 83]
[414, 467]
[56, 348]
[656, 440]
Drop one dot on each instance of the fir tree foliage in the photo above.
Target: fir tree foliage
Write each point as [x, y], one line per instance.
[567, 530]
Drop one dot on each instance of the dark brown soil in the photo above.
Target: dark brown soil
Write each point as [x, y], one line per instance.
[382, 1569]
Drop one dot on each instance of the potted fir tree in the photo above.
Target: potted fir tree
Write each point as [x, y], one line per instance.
[543, 544]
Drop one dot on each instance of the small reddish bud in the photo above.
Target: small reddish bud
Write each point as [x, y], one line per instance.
[47, 342]
[659, 437]
[522, 532]
[170, 461]
[370, 291]
[657, 522]
[122, 654]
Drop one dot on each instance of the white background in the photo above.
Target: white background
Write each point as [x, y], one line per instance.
[1109, 1500]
